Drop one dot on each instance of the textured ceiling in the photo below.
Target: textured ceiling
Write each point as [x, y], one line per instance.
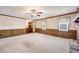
[21, 11]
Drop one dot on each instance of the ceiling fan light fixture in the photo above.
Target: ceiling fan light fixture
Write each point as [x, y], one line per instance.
[34, 14]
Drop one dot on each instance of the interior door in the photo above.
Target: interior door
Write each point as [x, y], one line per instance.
[30, 27]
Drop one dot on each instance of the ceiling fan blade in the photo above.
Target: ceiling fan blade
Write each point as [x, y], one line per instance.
[33, 12]
[38, 15]
[40, 12]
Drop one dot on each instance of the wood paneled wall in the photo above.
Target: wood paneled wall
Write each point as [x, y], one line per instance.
[70, 34]
[12, 32]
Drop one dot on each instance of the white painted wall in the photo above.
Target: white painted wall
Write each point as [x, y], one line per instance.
[52, 23]
[11, 23]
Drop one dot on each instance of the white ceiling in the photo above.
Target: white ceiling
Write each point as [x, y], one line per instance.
[21, 11]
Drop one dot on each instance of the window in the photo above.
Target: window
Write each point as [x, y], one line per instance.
[63, 26]
[44, 25]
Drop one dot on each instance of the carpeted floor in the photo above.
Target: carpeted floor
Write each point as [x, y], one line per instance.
[34, 43]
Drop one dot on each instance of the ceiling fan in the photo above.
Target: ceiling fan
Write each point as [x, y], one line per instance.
[34, 12]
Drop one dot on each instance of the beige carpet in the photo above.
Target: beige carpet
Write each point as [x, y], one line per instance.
[34, 42]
